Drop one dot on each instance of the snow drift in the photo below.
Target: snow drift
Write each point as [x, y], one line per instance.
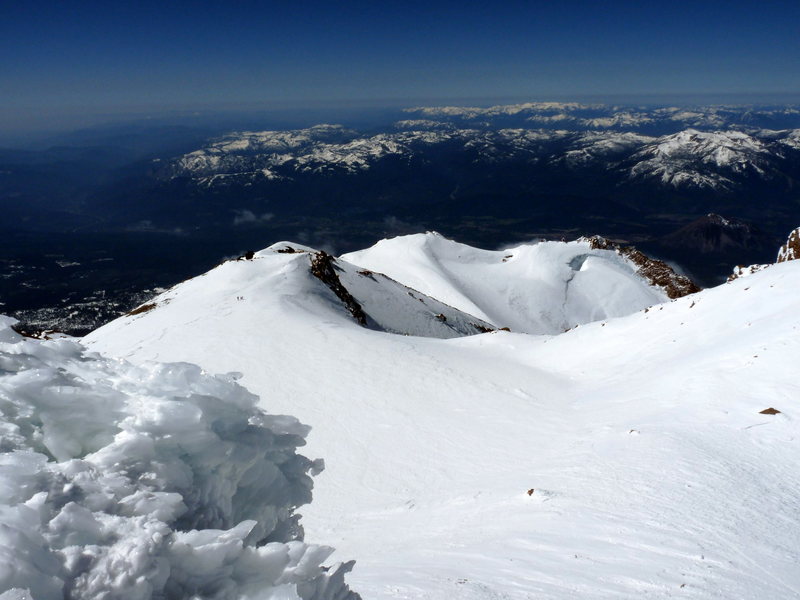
[150, 481]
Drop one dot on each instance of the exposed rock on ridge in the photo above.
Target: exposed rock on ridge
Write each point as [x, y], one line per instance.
[657, 272]
[323, 268]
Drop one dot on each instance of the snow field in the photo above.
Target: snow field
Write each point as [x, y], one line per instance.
[653, 472]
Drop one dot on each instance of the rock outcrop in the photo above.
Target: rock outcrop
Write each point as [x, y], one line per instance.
[657, 272]
[791, 249]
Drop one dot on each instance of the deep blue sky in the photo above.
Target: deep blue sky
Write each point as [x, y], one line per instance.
[78, 59]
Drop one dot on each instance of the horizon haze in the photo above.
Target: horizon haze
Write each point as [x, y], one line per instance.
[78, 66]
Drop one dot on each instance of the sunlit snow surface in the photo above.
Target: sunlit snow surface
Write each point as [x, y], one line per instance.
[151, 481]
[626, 458]
[532, 288]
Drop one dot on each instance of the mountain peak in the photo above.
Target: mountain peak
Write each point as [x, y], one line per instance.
[715, 219]
[541, 288]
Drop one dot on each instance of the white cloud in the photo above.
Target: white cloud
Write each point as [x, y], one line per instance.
[244, 217]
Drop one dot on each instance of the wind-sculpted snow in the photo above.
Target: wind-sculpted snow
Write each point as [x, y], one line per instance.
[150, 481]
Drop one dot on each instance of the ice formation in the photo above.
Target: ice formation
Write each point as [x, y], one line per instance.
[150, 481]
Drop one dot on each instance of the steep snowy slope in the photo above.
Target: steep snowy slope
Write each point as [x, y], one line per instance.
[623, 459]
[533, 288]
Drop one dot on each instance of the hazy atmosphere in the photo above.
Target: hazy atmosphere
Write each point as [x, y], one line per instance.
[73, 64]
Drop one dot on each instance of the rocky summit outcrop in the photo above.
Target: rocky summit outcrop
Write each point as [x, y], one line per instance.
[791, 249]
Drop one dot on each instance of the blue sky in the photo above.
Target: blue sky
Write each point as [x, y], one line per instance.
[88, 58]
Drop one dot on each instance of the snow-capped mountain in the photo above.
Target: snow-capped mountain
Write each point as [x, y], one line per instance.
[713, 233]
[599, 148]
[650, 454]
[279, 154]
[689, 159]
[576, 115]
[699, 159]
[488, 176]
[435, 287]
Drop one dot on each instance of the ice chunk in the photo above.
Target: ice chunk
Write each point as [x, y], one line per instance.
[122, 481]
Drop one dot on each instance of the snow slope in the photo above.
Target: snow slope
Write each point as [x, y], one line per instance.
[323, 287]
[145, 482]
[624, 459]
[534, 288]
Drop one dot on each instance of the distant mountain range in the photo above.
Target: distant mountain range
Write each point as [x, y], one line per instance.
[542, 169]
[725, 161]
[576, 116]
[138, 215]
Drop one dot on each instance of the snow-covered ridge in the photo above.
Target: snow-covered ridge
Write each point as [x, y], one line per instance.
[150, 481]
[424, 285]
[313, 282]
[658, 273]
[601, 148]
[556, 108]
[546, 287]
[787, 252]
